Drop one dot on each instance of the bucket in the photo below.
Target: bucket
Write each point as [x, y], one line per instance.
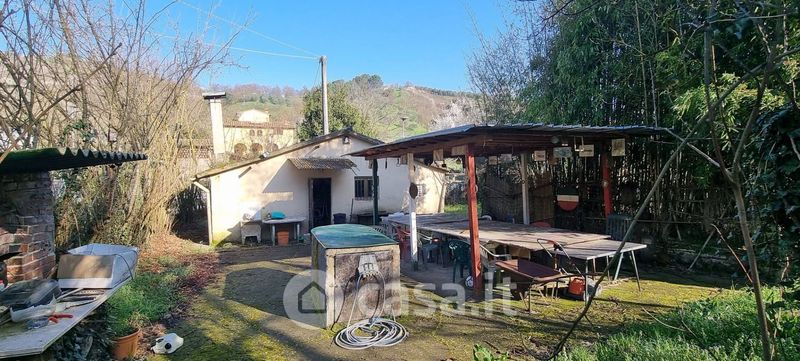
[125, 347]
[576, 287]
[283, 238]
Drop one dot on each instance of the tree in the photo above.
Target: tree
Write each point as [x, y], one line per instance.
[78, 73]
[725, 73]
[341, 113]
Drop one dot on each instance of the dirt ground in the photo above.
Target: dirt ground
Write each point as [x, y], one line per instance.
[240, 316]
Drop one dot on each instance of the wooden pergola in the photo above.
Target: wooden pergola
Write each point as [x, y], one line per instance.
[471, 141]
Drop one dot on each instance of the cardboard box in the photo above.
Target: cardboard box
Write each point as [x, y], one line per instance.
[97, 266]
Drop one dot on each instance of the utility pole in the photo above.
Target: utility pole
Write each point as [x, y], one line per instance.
[323, 60]
[404, 126]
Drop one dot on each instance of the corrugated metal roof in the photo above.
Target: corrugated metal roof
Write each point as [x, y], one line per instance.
[503, 138]
[47, 159]
[322, 163]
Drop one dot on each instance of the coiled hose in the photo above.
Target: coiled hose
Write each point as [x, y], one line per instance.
[374, 331]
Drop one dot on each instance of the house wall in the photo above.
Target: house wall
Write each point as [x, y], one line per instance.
[27, 225]
[276, 185]
[432, 201]
[270, 138]
[254, 115]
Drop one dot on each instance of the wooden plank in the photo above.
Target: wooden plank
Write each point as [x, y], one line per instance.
[518, 235]
[427, 148]
[16, 341]
[472, 216]
[428, 218]
[507, 233]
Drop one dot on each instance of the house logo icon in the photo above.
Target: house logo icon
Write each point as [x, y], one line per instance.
[305, 301]
[311, 299]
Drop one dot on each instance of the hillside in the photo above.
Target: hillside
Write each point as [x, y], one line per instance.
[383, 105]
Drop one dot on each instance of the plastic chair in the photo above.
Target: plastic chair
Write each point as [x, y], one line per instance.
[461, 258]
[403, 238]
[380, 228]
[427, 246]
[488, 261]
[617, 225]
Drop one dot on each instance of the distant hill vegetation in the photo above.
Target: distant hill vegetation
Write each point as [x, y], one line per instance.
[383, 106]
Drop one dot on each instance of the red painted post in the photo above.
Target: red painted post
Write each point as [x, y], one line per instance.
[472, 216]
[607, 205]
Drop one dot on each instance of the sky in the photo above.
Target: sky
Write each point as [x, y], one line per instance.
[423, 42]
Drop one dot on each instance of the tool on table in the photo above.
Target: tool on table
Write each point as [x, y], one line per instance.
[74, 302]
[40, 322]
[54, 317]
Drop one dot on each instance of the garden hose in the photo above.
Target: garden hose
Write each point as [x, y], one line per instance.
[374, 331]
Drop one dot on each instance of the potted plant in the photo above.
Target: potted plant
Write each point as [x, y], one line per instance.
[127, 332]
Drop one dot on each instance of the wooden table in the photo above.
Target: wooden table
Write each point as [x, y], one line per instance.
[17, 341]
[426, 218]
[519, 235]
[577, 245]
[274, 222]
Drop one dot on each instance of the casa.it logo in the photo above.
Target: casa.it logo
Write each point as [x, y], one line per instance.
[305, 300]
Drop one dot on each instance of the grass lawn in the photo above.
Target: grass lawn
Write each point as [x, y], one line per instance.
[720, 328]
[240, 316]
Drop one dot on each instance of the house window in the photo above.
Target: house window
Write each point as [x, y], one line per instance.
[422, 189]
[252, 132]
[260, 133]
[363, 187]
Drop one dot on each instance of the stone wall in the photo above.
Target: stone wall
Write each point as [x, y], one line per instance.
[27, 224]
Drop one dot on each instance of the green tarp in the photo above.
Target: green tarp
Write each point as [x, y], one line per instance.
[350, 236]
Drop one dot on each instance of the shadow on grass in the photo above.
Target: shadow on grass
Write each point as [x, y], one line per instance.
[260, 288]
[245, 255]
[244, 317]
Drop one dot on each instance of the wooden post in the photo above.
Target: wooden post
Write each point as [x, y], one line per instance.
[523, 172]
[607, 205]
[472, 216]
[375, 219]
[412, 211]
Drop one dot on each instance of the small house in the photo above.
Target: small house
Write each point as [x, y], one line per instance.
[314, 180]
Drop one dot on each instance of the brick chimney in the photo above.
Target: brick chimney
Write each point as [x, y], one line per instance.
[217, 134]
[27, 225]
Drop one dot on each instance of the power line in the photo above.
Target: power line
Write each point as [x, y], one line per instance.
[242, 49]
[242, 27]
[269, 53]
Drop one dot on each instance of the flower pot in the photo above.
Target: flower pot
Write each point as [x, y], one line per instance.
[125, 347]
